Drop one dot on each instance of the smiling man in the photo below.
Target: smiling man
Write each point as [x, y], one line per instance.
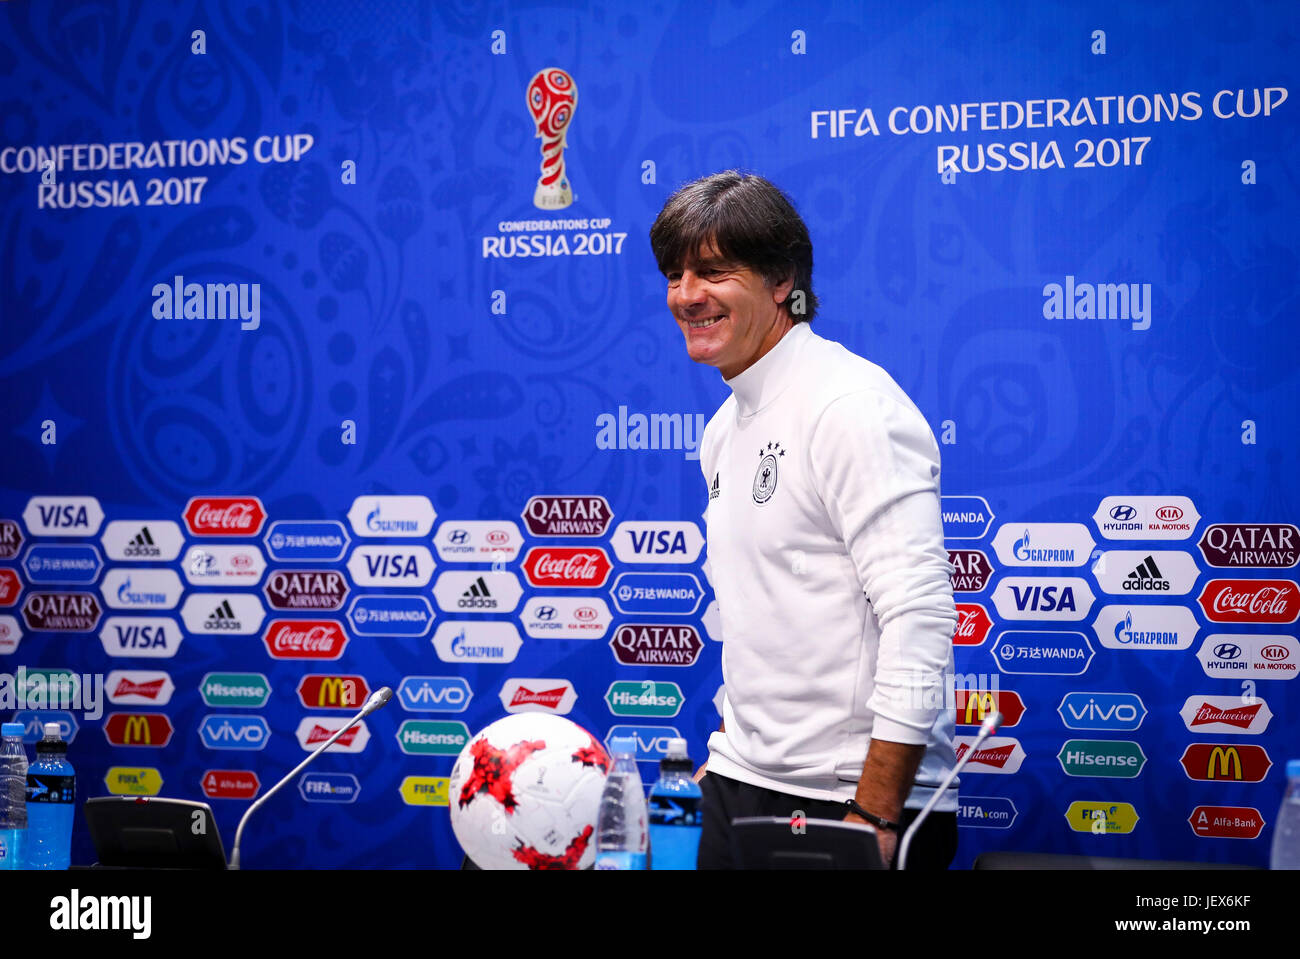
[824, 540]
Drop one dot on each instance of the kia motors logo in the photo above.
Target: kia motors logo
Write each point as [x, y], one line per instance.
[1250, 601]
[225, 515]
[585, 614]
[1265, 657]
[567, 515]
[1275, 654]
[570, 567]
[1169, 514]
[1122, 514]
[305, 639]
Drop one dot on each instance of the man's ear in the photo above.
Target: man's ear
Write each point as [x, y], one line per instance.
[781, 291]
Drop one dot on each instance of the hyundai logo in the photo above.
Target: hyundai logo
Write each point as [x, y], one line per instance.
[1227, 651]
[458, 537]
[545, 612]
[1122, 514]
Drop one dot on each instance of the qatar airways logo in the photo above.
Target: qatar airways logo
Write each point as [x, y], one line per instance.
[1250, 601]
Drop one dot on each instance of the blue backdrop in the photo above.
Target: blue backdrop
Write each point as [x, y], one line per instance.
[1068, 230]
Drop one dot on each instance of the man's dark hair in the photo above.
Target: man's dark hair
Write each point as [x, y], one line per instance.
[750, 221]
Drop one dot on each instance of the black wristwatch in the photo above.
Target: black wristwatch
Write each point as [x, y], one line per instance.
[880, 822]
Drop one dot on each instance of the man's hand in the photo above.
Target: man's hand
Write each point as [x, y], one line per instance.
[886, 779]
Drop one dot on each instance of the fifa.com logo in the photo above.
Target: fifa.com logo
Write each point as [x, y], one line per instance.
[57, 689]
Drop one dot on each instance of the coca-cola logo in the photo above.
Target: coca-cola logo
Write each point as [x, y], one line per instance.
[973, 625]
[225, 515]
[1250, 601]
[1169, 514]
[305, 639]
[567, 566]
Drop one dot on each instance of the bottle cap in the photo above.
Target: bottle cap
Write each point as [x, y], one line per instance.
[676, 748]
[12, 729]
[622, 744]
[53, 731]
[1292, 768]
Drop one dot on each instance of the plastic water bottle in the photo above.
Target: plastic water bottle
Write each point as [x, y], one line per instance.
[1286, 833]
[621, 839]
[13, 797]
[51, 797]
[675, 813]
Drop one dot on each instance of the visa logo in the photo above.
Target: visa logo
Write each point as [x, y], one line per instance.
[392, 566]
[64, 517]
[658, 543]
[1044, 598]
[141, 637]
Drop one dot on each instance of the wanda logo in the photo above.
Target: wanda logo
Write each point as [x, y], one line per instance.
[1169, 514]
[572, 566]
[225, 515]
[1250, 601]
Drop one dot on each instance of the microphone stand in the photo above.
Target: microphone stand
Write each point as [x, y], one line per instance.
[378, 699]
[991, 724]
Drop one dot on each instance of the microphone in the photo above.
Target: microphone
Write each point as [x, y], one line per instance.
[991, 724]
[378, 699]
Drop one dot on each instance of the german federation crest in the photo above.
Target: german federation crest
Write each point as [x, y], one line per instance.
[766, 474]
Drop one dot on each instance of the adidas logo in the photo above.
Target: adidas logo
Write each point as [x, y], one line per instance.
[222, 617]
[713, 490]
[477, 596]
[1146, 577]
[142, 545]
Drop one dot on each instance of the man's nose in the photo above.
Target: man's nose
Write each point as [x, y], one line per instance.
[690, 289]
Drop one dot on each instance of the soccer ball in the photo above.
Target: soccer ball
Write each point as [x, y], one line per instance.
[525, 791]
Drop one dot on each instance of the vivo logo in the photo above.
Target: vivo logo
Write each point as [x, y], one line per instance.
[449, 694]
[1115, 711]
[234, 732]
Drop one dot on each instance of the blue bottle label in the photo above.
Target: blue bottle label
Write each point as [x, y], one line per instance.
[43, 787]
[675, 811]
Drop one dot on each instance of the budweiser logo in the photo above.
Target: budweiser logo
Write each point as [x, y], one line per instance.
[993, 756]
[550, 698]
[1240, 716]
[319, 734]
[149, 690]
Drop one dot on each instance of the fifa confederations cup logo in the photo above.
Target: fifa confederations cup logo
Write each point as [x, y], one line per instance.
[552, 98]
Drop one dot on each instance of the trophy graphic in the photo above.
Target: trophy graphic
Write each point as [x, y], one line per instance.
[552, 98]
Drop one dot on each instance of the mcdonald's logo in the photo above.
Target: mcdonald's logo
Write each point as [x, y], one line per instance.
[333, 692]
[1225, 761]
[973, 706]
[138, 729]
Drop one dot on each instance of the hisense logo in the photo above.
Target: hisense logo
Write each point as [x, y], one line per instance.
[179, 300]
